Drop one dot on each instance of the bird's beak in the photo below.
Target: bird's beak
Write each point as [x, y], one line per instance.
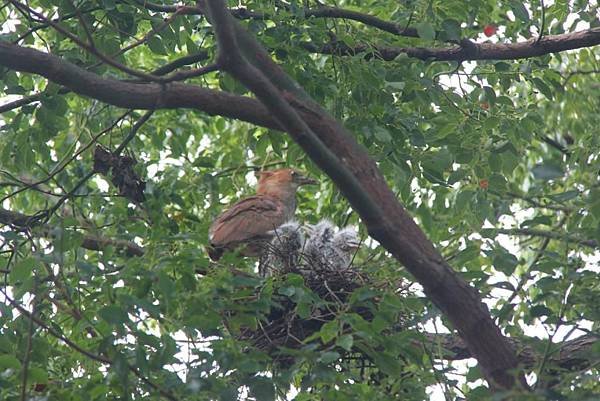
[303, 180]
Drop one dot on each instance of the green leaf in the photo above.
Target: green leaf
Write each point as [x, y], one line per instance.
[463, 199]
[346, 341]
[38, 375]
[329, 331]
[456, 176]
[519, 10]
[495, 162]
[287, 291]
[9, 362]
[502, 66]
[564, 196]
[542, 87]
[156, 45]
[262, 389]
[425, 30]
[490, 94]
[22, 270]
[166, 285]
[329, 357]
[539, 311]
[382, 134]
[113, 314]
[451, 29]
[395, 86]
[547, 171]
[388, 364]
[505, 261]
[509, 162]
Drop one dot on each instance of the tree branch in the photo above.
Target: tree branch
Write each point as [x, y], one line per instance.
[131, 95]
[387, 222]
[531, 232]
[468, 50]
[94, 243]
[21, 102]
[86, 46]
[572, 355]
[319, 12]
[74, 346]
[180, 62]
[162, 70]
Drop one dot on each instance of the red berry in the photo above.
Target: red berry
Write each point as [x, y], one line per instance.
[484, 184]
[489, 30]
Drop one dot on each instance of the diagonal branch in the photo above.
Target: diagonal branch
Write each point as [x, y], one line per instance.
[86, 46]
[387, 221]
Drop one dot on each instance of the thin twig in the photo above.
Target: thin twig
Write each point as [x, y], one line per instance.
[530, 232]
[27, 357]
[543, 25]
[88, 47]
[60, 19]
[95, 357]
[44, 215]
[63, 165]
[196, 72]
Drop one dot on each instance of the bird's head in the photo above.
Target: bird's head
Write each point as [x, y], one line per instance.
[288, 235]
[282, 180]
[346, 239]
[321, 232]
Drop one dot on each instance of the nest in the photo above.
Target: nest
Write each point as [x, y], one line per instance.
[314, 278]
[285, 327]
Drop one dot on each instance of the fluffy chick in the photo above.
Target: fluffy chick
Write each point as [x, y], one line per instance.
[327, 249]
[345, 243]
[283, 253]
[318, 250]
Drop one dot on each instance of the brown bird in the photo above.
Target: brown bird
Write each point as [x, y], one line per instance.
[249, 221]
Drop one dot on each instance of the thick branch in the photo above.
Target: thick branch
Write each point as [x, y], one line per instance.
[573, 355]
[387, 222]
[94, 243]
[145, 96]
[397, 232]
[468, 50]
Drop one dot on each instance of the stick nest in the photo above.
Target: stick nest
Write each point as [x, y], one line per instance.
[288, 326]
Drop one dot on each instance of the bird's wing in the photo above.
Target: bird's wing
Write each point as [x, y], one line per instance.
[249, 218]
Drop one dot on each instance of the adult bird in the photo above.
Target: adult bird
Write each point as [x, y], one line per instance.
[248, 223]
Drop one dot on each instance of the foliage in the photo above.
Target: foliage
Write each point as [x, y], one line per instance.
[475, 151]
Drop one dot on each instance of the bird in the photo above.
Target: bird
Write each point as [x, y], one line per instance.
[284, 250]
[250, 221]
[345, 243]
[318, 249]
[327, 249]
